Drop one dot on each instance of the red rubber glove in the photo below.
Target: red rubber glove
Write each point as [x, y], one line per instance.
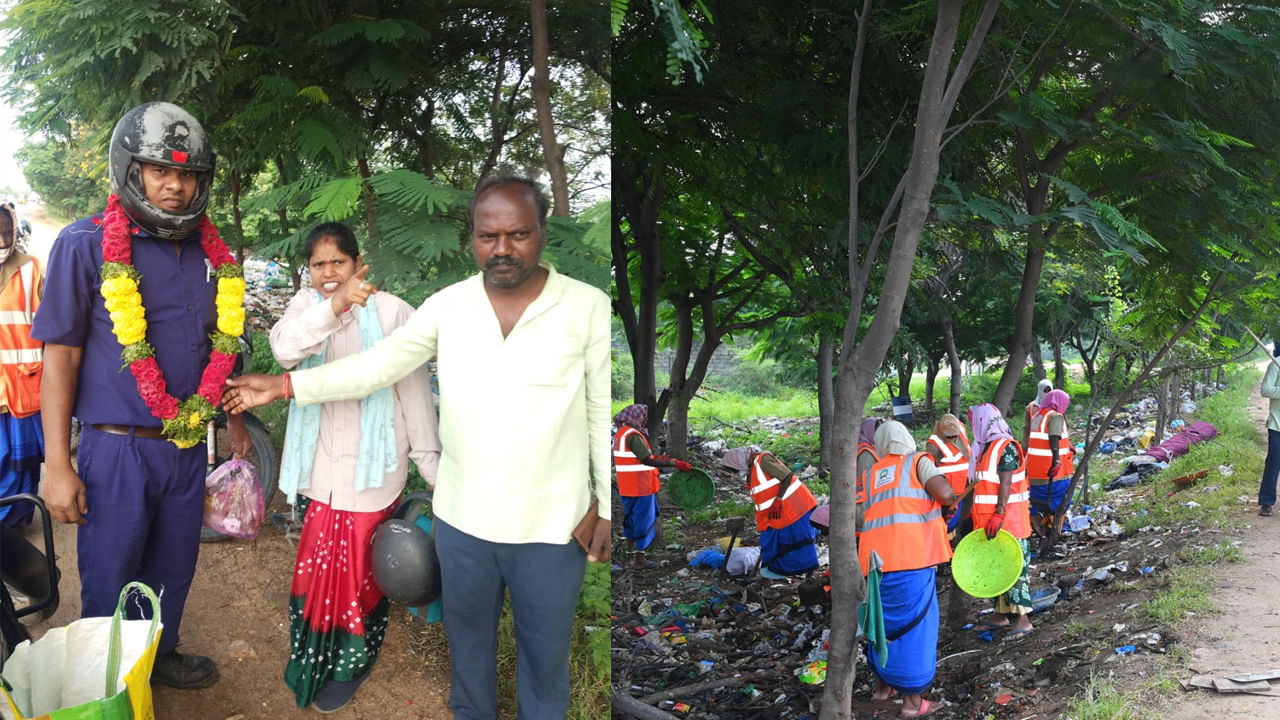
[775, 511]
[682, 466]
[1053, 471]
[993, 525]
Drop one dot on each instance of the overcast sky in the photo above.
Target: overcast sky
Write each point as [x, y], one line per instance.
[10, 141]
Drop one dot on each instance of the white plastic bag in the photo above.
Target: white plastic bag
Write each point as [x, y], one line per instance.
[233, 503]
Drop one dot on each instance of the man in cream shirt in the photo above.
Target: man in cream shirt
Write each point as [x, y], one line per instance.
[522, 357]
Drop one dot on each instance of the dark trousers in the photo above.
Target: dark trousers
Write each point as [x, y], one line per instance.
[1267, 490]
[544, 581]
[146, 503]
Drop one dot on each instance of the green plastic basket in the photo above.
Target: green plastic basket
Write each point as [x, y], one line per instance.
[691, 489]
[987, 568]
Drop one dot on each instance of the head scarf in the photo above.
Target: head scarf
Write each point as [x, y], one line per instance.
[893, 438]
[988, 425]
[635, 415]
[1056, 400]
[739, 458]
[1043, 389]
[867, 433]
[949, 424]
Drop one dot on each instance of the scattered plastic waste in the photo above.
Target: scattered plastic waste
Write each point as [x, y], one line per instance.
[815, 673]
[1126, 650]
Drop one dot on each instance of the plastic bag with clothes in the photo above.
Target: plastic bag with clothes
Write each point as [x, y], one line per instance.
[233, 502]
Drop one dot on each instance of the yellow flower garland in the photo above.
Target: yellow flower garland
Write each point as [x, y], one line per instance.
[128, 318]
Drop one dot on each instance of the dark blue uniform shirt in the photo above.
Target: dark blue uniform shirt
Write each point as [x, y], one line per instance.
[178, 290]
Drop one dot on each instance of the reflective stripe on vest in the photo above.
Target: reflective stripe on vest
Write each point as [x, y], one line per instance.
[635, 479]
[953, 464]
[903, 523]
[21, 359]
[986, 495]
[1040, 453]
[796, 499]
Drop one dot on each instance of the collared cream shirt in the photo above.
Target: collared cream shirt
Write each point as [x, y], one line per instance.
[524, 420]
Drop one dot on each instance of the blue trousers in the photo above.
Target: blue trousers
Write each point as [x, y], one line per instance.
[146, 503]
[640, 519]
[21, 453]
[1267, 490]
[544, 581]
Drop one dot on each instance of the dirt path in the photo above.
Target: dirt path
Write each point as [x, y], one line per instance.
[1245, 636]
[237, 613]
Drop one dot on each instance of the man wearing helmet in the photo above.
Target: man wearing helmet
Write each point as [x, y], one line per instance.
[137, 490]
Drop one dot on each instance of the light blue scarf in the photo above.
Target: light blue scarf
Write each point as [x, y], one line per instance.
[378, 454]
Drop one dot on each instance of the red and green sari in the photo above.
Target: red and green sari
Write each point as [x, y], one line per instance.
[337, 614]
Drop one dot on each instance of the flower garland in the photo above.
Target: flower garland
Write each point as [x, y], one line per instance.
[184, 422]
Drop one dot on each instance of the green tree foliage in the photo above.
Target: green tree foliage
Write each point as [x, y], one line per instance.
[385, 117]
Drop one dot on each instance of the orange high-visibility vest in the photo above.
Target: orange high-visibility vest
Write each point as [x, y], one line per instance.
[21, 356]
[765, 491]
[635, 479]
[1040, 454]
[1017, 510]
[903, 523]
[954, 464]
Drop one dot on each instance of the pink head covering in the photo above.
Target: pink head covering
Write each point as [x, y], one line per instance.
[867, 433]
[739, 458]
[1056, 400]
[635, 415]
[987, 424]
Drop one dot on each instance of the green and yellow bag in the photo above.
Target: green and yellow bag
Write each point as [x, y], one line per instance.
[93, 669]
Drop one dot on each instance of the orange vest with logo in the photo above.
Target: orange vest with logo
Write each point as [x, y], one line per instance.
[635, 479]
[952, 463]
[1017, 510]
[766, 491]
[21, 356]
[1040, 454]
[903, 523]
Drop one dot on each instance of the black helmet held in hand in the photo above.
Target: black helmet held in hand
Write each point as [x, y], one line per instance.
[405, 566]
[160, 133]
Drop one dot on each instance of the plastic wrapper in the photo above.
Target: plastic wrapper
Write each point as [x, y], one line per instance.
[233, 502]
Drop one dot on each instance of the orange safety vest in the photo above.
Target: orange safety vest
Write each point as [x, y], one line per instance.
[765, 491]
[635, 479]
[1017, 510]
[953, 463]
[21, 356]
[903, 523]
[860, 492]
[1040, 454]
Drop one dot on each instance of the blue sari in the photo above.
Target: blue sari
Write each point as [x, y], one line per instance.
[639, 519]
[790, 550]
[910, 602]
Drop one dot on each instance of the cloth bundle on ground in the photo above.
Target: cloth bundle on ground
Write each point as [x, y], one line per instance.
[741, 561]
[1157, 457]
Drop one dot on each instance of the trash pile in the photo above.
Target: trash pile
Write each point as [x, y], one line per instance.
[702, 647]
[268, 288]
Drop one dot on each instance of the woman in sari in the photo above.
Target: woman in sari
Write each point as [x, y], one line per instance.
[904, 538]
[348, 462]
[1001, 500]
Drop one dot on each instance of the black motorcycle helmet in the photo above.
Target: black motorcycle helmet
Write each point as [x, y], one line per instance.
[163, 134]
[405, 565]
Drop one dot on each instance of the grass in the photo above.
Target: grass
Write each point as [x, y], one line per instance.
[1102, 701]
[720, 511]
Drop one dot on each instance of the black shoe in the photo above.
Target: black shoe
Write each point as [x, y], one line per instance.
[335, 694]
[184, 672]
[1265, 511]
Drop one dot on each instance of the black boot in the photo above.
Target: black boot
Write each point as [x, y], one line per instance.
[184, 672]
[335, 694]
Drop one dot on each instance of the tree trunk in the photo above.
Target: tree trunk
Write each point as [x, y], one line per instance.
[957, 367]
[1023, 337]
[551, 150]
[1059, 368]
[906, 368]
[859, 361]
[826, 399]
[1037, 362]
[930, 374]
[637, 199]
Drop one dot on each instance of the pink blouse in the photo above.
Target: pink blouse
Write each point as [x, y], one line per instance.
[301, 332]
